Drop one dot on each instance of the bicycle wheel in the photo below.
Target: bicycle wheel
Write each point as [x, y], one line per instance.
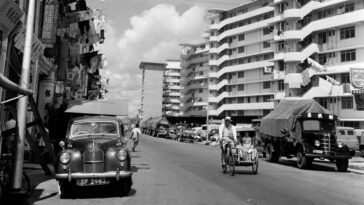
[232, 163]
[224, 167]
[26, 186]
[255, 166]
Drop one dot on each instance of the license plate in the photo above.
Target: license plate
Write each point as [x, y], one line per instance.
[317, 151]
[93, 182]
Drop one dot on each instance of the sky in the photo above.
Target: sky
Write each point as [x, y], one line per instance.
[147, 30]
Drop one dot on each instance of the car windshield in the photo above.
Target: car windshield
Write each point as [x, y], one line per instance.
[94, 128]
[316, 125]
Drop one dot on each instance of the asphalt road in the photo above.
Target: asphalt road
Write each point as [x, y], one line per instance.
[172, 173]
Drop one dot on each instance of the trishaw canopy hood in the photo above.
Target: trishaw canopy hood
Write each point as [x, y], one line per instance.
[281, 120]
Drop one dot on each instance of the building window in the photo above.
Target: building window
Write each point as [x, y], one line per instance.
[266, 85]
[241, 87]
[349, 8]
[200, 90]
[241, 49]
[201, 64]
[241, 74]
[322, 37]
[346, 103]
[281, 46]
[322, 59]
[266, 31]
[248, 99]
[240, 100]
[266, 44]
[241, 37]
[281, 65]
[345, 78]
[267, 98]
[348, 55]
[258, 99]
[280, 85]
[323, 102]
[346, 33]
[281, 7]
[200, 73]
[265, 4]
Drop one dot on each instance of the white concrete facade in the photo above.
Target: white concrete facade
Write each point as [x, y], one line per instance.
[194, 78]
[331, 34]
[172, 89]
[242, 80]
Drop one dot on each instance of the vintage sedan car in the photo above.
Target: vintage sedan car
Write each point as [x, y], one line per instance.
[187, 136]
[94, 154]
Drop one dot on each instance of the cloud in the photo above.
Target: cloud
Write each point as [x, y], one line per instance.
[154, 35]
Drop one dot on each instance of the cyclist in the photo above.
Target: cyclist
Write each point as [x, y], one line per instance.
[227, 137]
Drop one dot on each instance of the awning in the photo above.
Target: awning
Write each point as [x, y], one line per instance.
[99, 107]
[11, 86]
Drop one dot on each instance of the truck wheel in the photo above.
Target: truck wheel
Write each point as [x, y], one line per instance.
[362, 152]
[352, 153]
[342, 165]
[271, 156]
[303, 162]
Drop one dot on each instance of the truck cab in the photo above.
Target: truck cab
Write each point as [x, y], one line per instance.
[347, 136]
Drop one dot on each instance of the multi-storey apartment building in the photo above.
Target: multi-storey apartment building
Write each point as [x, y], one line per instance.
[172, 89]
[243, 79]
[316, 43]
[152, 89]
[195, 71]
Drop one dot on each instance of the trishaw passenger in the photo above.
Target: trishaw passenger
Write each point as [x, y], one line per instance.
[245, 145]
[227, 135]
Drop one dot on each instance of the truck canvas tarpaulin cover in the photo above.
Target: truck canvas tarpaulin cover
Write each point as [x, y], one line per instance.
[281, 120]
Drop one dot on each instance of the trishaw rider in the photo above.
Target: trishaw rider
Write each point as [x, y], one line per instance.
[227, 135]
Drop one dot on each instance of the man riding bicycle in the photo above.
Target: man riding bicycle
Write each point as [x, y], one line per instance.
[227, 137]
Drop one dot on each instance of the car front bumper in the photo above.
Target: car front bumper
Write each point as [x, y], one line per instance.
[80, 175]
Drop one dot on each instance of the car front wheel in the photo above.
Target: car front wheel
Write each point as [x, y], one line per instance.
[64, 189]
[125, 186]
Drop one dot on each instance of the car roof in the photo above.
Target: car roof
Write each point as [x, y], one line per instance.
[95, 118]
[344, 128]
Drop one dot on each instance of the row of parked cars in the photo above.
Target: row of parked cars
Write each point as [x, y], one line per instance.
[183, 134]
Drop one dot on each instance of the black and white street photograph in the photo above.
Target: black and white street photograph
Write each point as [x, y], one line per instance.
[181, 102]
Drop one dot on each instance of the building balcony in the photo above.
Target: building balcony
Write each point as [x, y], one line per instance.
[214, 50]
[322, 24]
[200, 77]
[214, 38]
[244, 16]
[172, 80]
[213, 63]
[246, 28]
[244, 67]
[200, 103]
[298, 56]
[223, 59]
[223, 47]
[214, 26]
[299, 13]
[213, 75]
[244, 106]
[218, 98]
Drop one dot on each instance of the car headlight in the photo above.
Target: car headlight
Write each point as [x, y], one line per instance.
[340, 144]
[317, 143]
[65, 158]
[121, 155]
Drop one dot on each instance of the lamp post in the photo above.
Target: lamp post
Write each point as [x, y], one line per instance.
[16, 180]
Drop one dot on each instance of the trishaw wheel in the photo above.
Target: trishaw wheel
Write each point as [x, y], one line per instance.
[224, 168]
[232, 164]
[255, 166]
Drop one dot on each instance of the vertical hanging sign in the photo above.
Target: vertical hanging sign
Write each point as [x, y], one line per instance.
[357, 80]
[50, 21]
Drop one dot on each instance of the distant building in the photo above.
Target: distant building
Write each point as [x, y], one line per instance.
[172, 89]
[194, 78]
[152, 89]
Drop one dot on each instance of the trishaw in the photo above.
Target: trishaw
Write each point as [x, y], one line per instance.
[244, 154]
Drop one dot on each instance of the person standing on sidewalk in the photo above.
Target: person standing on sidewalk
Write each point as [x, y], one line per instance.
[135, 134]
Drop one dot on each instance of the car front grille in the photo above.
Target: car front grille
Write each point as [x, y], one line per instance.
[328, 143]
[93, 161]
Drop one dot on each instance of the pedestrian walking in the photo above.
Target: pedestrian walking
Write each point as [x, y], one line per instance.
[135, 134]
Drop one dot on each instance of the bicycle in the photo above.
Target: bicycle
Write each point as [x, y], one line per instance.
[5, 177]
[229, 158]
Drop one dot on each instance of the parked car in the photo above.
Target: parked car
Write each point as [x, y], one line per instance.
[347, 136]
[162, 132]
[172, 134]
[214, 135]
[94, 154]
[187, 136]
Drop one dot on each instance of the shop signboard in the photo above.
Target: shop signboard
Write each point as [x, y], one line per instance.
[357, 77]
[50, 19]
[10, 15]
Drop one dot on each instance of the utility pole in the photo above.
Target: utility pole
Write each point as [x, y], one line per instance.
[16, 180]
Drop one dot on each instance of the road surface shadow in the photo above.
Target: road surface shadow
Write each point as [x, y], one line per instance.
[99, 192]
[244, 171]
[136, 167]
[314, 167]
